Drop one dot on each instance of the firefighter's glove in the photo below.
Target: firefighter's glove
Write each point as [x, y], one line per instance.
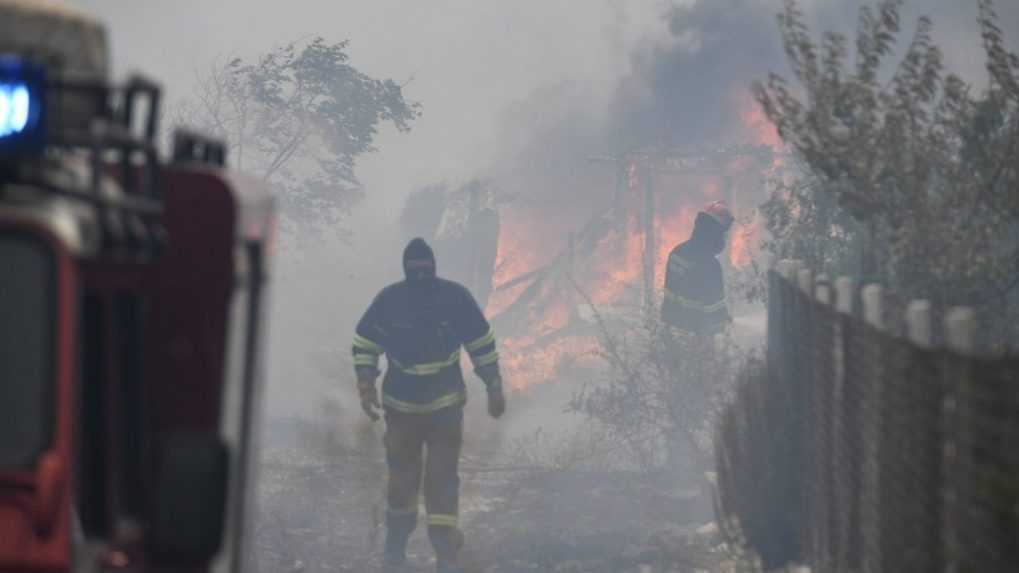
[369, 399]
[496, 399]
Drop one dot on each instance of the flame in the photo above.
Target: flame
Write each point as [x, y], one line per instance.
[712, 190]
[618, 268]
[757, 126]
[556, 339]
[739, 246]
[614, 277]
[519, 252]
[529, 363]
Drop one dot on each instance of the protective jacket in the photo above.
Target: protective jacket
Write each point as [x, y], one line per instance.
[694, 288]
[421, 329]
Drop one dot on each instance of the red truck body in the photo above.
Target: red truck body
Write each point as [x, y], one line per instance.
[132, 381]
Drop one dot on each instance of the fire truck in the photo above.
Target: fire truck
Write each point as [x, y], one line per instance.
[133, 291]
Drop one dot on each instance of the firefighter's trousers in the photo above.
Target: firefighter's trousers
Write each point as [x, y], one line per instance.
[407, 438]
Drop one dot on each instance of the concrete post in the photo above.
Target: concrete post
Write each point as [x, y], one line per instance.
[961, 330]
[873, 307]
[960, 335]
[786, 268]
[918, 323]
[870, 509]
[805, 280]
[844, 295]
[844, 502]
[823, 290]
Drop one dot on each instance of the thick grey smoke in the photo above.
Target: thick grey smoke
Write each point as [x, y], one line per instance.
[686, 85]
[681, 93]
[680, 88]
[523, 91]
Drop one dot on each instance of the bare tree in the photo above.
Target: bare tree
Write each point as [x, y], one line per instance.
[664, 389]
[299, 117]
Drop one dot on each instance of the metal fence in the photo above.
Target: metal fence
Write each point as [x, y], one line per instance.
[852, 450]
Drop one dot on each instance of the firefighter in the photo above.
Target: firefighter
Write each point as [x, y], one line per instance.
[694, 288]
[421, 324]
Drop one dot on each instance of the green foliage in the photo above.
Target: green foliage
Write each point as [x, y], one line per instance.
[909, 176]
[807, 224]
[299, 117]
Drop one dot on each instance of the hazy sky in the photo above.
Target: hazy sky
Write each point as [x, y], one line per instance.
[464, 60]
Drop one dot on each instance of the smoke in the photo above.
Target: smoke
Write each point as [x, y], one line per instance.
[685, 87]
[686, 84]
[682, 92]
[523, 93]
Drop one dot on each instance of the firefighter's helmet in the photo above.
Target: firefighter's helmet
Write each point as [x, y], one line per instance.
[719, 211]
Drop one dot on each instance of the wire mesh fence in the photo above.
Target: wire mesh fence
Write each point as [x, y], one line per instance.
[853, 450]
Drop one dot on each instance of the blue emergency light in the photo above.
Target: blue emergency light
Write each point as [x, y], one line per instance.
[21, 106]
[15, 106]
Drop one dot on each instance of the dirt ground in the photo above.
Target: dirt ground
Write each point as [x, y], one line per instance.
[322, 509]
[321, 496]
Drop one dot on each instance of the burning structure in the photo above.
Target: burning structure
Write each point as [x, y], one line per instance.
[595, 230]
[615, 261]
[540, 273]
[585, 229]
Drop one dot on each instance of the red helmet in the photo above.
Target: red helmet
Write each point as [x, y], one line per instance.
[720, 212]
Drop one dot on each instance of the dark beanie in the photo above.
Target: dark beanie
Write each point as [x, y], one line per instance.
[418, 260]
[708, 234]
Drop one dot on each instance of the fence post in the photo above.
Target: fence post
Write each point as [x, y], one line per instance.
[845, 547]
[873, 306]
[822, 289]
[779, 316]
[921, 430]
[824, 390]
[806, 389]
[961, 330]
[844, 295]
[805, 280]
[786, 268]
[918, 323]
[870, 502]
[960, 336]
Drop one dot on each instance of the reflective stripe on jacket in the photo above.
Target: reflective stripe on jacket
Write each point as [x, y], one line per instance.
[694, 291]
[421, 329]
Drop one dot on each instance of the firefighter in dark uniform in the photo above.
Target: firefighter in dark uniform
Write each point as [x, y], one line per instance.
[421, 324]
[694, 288]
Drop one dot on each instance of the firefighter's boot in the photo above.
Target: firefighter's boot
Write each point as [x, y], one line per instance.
[398, 529]
[447, 542]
